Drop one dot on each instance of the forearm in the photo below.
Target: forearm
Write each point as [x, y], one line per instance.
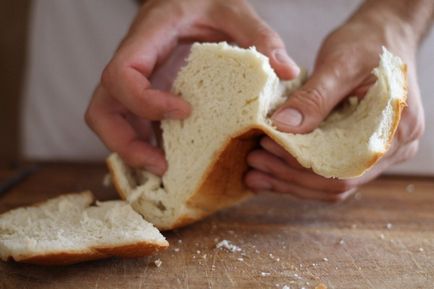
[412, 19]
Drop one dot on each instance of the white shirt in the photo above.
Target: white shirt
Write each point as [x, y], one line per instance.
[72, 41]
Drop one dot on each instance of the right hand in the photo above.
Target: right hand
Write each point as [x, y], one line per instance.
[124, 103]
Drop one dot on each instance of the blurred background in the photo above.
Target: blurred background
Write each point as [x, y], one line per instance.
[14, 19]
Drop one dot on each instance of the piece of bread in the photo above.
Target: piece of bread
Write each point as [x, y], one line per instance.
[67, 230]
[233, 92]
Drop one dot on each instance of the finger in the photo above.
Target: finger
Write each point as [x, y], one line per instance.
[126, 76]
[106, 117]
[274, 166]
[259, 182]
[271, 146]
[246, 28]
[331, 81]
[134, 92]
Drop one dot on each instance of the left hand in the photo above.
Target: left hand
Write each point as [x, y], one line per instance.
[343, 68]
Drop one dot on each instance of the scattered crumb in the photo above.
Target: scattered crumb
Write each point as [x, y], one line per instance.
[176, 249]
[421, 249]
[341, 242]
[257, 251]
[240, 259]
[286, 287]
[204, 256]
[410, 188]
[325, 259]
[277, 259]
[228, 246]
[264, 274]
[321, 286]
[212, 267]
[382, 236]
[107, 180]
[389, 226]
[158, 263]
[198, 252]
[179, 241]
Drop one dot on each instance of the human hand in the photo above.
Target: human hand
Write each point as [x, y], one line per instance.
[124, 103]
[343, 68]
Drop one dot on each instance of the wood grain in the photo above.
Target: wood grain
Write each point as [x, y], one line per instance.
[284, 241]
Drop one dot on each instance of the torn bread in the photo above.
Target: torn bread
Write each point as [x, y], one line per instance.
[67, 230]
[233, 92]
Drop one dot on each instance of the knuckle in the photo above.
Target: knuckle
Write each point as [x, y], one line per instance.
[267, 37]
[313, 99]
[88, 117]
[412, 125]
[418, 130]
[408, 151]
[107, 75]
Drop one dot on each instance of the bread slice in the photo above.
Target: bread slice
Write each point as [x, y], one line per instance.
[67, 230]
[233, 92]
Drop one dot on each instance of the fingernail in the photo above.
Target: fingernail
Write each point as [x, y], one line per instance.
[288, 117]
[281, 56]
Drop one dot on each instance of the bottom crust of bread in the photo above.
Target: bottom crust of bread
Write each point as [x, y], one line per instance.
[140, 249]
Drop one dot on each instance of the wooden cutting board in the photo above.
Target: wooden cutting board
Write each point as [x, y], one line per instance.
[381, 238]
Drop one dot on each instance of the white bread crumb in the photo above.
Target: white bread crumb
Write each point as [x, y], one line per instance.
[228, 246]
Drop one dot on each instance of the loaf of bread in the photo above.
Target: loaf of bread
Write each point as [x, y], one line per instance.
[233, 92]
[67, 230]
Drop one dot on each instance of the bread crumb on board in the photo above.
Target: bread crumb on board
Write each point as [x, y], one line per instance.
[265, 274]
[389, 226]
[158, 263]
[410, 188]
[107, 180]
[228, 246]
[321, 286]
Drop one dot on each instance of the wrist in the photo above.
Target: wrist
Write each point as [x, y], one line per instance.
[405, 20]
[389, 29]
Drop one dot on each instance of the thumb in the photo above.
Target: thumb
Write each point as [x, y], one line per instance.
[308, 106]
[247, 29]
